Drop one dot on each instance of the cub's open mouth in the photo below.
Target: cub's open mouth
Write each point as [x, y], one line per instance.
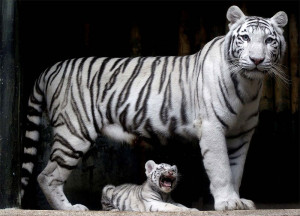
[166, 181]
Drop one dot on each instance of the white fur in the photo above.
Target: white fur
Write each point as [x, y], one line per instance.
[117, 133]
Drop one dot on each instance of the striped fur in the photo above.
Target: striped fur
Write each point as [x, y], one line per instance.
[212, 96]
[153, 195]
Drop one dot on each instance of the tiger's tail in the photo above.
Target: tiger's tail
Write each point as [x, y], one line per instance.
[34, 116]
[106, 200]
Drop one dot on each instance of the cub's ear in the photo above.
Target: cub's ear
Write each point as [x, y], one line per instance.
[149, 166]
[234, 14]
[280, 19]
[174, 167]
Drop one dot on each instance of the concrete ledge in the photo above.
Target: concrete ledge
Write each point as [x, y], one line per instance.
[18, 212]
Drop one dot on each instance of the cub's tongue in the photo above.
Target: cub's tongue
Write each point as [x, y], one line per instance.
[167, 184]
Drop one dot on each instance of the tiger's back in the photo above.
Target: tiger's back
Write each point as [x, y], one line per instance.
[123, 95]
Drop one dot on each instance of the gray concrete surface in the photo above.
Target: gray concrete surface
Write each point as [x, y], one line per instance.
[279, 212]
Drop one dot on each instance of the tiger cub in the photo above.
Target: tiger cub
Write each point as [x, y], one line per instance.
[152, 195]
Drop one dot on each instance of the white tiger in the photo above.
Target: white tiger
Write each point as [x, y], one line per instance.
[212, 96]
[153, 195]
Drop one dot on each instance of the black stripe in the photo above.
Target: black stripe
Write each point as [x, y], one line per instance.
[115, 64]
[69, 125]
[183, 97]
[33, 112]
[108, 108]
[234, 157]
[34, 100]
[54, 110]
[99, 75]
[75, 155]
[38, 89]
[79, 70]
[174, 62]
[110, 83]
[93, 107]
[172, 126]
[62, 163]
[164, 110]
[253, 115]
[240, 134]
[77, 112]
[63, 141]
[31, 126]
[225, 99]
[236, 88]
[26, 158]
[126, 63]
[187, 65]
[60, 85]
[219, 118]
[28, 143]
[89, 71]
[80, 87]
[163, 74]
[50, 79]
[123, 116]
[234, 150]
[68, 84]
[25, 173]
[141, 114]
[126, 90]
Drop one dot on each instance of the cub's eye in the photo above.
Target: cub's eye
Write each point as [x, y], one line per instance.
[246, 37]
[269, 40]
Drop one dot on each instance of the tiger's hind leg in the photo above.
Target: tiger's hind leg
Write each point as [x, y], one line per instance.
[66, 152]
[106, 198]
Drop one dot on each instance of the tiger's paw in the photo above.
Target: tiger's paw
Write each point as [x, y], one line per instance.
[235, 204]
[78, 207]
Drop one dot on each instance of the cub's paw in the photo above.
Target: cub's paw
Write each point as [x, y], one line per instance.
[235, 204]
[193, 209]
[78, 207]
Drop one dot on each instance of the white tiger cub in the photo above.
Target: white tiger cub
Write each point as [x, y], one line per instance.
[211, 96]
[153, 195]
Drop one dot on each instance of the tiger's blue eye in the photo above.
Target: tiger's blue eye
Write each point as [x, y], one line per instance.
[269, 40]
[246, 37]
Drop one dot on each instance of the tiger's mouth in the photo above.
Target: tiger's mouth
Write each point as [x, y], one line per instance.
[167, 181]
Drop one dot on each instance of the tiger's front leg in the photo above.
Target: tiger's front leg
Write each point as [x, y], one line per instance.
[237, 152]
[217, 165]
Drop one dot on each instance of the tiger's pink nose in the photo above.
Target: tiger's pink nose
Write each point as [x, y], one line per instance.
[257, 61]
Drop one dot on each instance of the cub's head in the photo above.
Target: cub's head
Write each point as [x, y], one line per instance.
[162, 177]
[254, 45]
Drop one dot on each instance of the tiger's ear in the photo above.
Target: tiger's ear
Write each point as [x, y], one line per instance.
[280, 19]
[149, 166]
[234, 14]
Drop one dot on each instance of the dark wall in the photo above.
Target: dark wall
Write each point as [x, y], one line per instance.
[50, 31]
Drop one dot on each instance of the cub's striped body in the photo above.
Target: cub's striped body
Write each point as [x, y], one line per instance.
[212, 96]
[153, 195]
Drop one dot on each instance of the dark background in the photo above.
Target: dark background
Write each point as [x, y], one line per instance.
[51, 31]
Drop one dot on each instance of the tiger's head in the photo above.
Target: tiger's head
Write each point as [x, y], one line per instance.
[254, 45]
[161, 177]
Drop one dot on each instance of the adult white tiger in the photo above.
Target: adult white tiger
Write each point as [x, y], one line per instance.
[212, 96]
